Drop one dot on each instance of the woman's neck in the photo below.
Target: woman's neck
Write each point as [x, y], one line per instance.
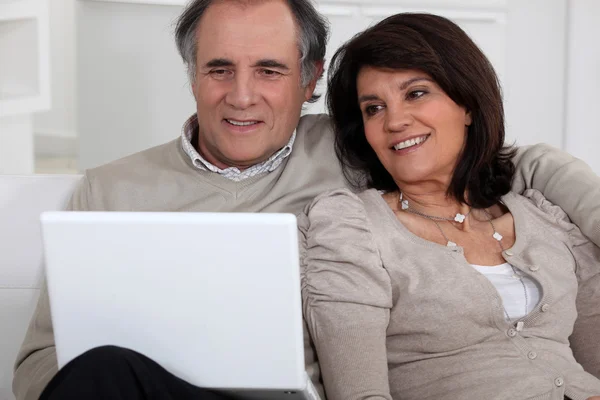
[434, 203]
[432, 200]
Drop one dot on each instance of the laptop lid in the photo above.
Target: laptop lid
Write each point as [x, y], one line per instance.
[212, 297]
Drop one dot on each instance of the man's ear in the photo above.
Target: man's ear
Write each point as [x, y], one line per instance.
[194, 86]
[310, 88]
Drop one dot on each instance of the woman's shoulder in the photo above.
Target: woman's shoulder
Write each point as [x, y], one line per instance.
[533, 201]
[340, 209]
[542, 213]
[341, 201]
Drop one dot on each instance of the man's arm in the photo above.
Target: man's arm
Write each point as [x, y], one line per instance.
[36, 362]
[564, 180]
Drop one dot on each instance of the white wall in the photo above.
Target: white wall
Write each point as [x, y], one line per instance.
[132, 88]
[534, 84]
[561, 48]
[60, 120]
[583, 82]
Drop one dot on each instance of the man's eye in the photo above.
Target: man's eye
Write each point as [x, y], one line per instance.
[220, 72]
[270, 72]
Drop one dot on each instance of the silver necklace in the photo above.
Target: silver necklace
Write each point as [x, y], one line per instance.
[516, 275]
[460, 219]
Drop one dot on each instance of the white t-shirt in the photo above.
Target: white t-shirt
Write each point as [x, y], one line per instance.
[509, 287]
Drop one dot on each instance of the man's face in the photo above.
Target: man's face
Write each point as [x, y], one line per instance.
[248, 88]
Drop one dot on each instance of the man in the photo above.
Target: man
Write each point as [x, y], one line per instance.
[252, 66]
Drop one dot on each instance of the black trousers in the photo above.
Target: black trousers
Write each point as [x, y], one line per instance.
[120, 374]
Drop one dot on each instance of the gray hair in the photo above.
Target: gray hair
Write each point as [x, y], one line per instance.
[312, 38]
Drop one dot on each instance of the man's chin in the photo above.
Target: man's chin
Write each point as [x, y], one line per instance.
[245, 161]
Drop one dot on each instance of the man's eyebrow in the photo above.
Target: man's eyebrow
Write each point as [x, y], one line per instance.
[218, 62]
[269, 63]
[367, 97]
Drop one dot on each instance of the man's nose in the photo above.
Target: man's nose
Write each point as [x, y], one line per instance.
[243, 92]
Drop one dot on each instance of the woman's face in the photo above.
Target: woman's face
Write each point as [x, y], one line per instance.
[417, 131]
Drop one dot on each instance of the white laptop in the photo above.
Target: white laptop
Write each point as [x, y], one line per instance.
[212, 297]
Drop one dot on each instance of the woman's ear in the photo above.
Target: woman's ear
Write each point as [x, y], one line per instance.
[468, 119]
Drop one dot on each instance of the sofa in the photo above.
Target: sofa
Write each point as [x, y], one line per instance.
[22, 199]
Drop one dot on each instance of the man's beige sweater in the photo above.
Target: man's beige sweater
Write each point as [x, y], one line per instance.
[163, 179]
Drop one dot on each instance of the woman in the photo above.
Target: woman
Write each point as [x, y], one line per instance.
[438, 282]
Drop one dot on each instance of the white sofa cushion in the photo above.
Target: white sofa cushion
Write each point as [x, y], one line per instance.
[22, 199]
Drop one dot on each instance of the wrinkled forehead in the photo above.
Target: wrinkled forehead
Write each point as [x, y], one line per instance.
[247, 30]
[242, 3]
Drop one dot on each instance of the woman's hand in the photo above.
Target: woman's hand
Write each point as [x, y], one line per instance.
[594, 398]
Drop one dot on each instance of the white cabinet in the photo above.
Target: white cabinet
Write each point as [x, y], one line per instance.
[132, 90]
[524, 40]
[485, 23]
[24, 79]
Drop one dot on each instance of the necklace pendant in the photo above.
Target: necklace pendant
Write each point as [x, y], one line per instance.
[497, 236]
[450, 244]
[404, 204]
[460, 218]
[520, 326]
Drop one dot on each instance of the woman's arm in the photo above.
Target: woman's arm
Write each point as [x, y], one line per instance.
[585, 339]
[564, 180]
[346, 296]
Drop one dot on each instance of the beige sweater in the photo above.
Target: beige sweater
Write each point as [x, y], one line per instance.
[394, 316]
[163, 179]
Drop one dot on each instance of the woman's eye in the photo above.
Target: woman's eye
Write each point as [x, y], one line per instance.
[372, 110]
[415, 94]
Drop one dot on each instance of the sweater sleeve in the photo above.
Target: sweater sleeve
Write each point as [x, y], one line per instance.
[564, 180]
[36, 362]
[584, 340]
[347, 297]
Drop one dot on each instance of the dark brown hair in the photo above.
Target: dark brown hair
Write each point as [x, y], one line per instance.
[439, 48]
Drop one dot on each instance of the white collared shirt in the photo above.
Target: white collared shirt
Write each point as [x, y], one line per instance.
[190, 128]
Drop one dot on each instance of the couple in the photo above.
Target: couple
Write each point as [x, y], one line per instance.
[252, 65]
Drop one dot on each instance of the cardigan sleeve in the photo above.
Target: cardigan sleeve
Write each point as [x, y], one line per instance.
[564, 180]
[584, 341]
[346, 295]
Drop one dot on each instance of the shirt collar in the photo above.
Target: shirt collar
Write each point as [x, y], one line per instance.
[190, 128]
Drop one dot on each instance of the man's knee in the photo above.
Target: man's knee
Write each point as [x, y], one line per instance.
[104, 356]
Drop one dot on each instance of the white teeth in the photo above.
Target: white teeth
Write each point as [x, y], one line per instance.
[410, 142]
[241, 123]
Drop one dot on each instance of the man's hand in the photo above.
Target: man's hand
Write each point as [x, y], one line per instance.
[594, 398]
